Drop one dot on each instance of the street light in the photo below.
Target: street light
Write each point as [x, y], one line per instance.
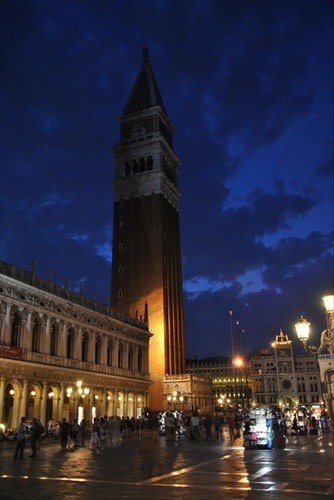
[325, 361]
[233, 362]
[327, 337]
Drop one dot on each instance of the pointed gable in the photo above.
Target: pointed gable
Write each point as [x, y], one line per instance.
[145, 92]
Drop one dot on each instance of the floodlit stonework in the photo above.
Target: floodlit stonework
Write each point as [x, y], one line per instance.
[52, 338]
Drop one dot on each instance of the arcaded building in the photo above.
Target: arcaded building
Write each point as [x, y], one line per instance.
[64, 355]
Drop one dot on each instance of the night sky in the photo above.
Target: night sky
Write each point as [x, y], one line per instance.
[248, 86]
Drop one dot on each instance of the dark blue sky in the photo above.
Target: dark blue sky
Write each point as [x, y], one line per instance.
[248, 86]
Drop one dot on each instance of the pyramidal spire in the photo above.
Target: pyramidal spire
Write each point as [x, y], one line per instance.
[145, 92]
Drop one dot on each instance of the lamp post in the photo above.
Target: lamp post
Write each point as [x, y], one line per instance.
[233, 361]
[326, 341]
[327, 337]
[245, 363]
[78, 395]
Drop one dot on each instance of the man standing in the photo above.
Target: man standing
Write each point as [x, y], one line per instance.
[169, 424]
[35, 432]
[21, 440]
[207, 426]
[194, 422]
[64, 433]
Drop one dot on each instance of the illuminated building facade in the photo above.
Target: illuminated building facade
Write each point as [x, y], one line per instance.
[284, 379]
[279, 378]
[64, 355]
[228, 391]
[146, 258]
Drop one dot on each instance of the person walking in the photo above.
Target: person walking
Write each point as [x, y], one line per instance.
[217, 427]
[82, 433]
[35, 432]
[75, 431]
[278, 440]
[194, 422]
[21, 440]
[95, 436]
[207, 422]
[169, 424]
[64, 429]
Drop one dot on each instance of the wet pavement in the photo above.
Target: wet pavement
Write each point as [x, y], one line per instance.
[153, 468]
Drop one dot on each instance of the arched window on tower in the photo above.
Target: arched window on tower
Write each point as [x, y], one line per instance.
[70, 344]
[141, 164]
[36, 335]
[134, 166]
[149, 163]
[54, 339]
[126, 169]
[15, 333]
[98, 350]
[85, 347]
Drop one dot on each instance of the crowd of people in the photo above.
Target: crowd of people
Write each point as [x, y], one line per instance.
[196, 426]
[101, 432]
[110, 431]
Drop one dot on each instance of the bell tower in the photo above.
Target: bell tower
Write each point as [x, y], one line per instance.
[146, 260]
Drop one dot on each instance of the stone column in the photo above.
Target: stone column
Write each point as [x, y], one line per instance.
[91, 347]
[2, 397]
[5, 323]
[26, 332]
[63, 339]
[79, 344]
[42, 414]
[104, 405]
[23, 403]
[46, 337]
[61, 402]
[103, 353]
[15, 414]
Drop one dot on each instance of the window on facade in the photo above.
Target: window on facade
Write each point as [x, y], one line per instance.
[15, 333]
[120, 294]
[85, 345]
[36, 334]
[109, 353]
[140, 361]
[54, 339]
[70, 344]
[98, 351]
[130, 358]
[149, 163]
[120, 356]
[120, 269]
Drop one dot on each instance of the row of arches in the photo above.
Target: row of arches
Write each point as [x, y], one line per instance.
[49, 400]
[64, 341]
[135, 166]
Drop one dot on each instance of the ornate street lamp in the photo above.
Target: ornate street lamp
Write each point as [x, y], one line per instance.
[325, 361]
[327, 336]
